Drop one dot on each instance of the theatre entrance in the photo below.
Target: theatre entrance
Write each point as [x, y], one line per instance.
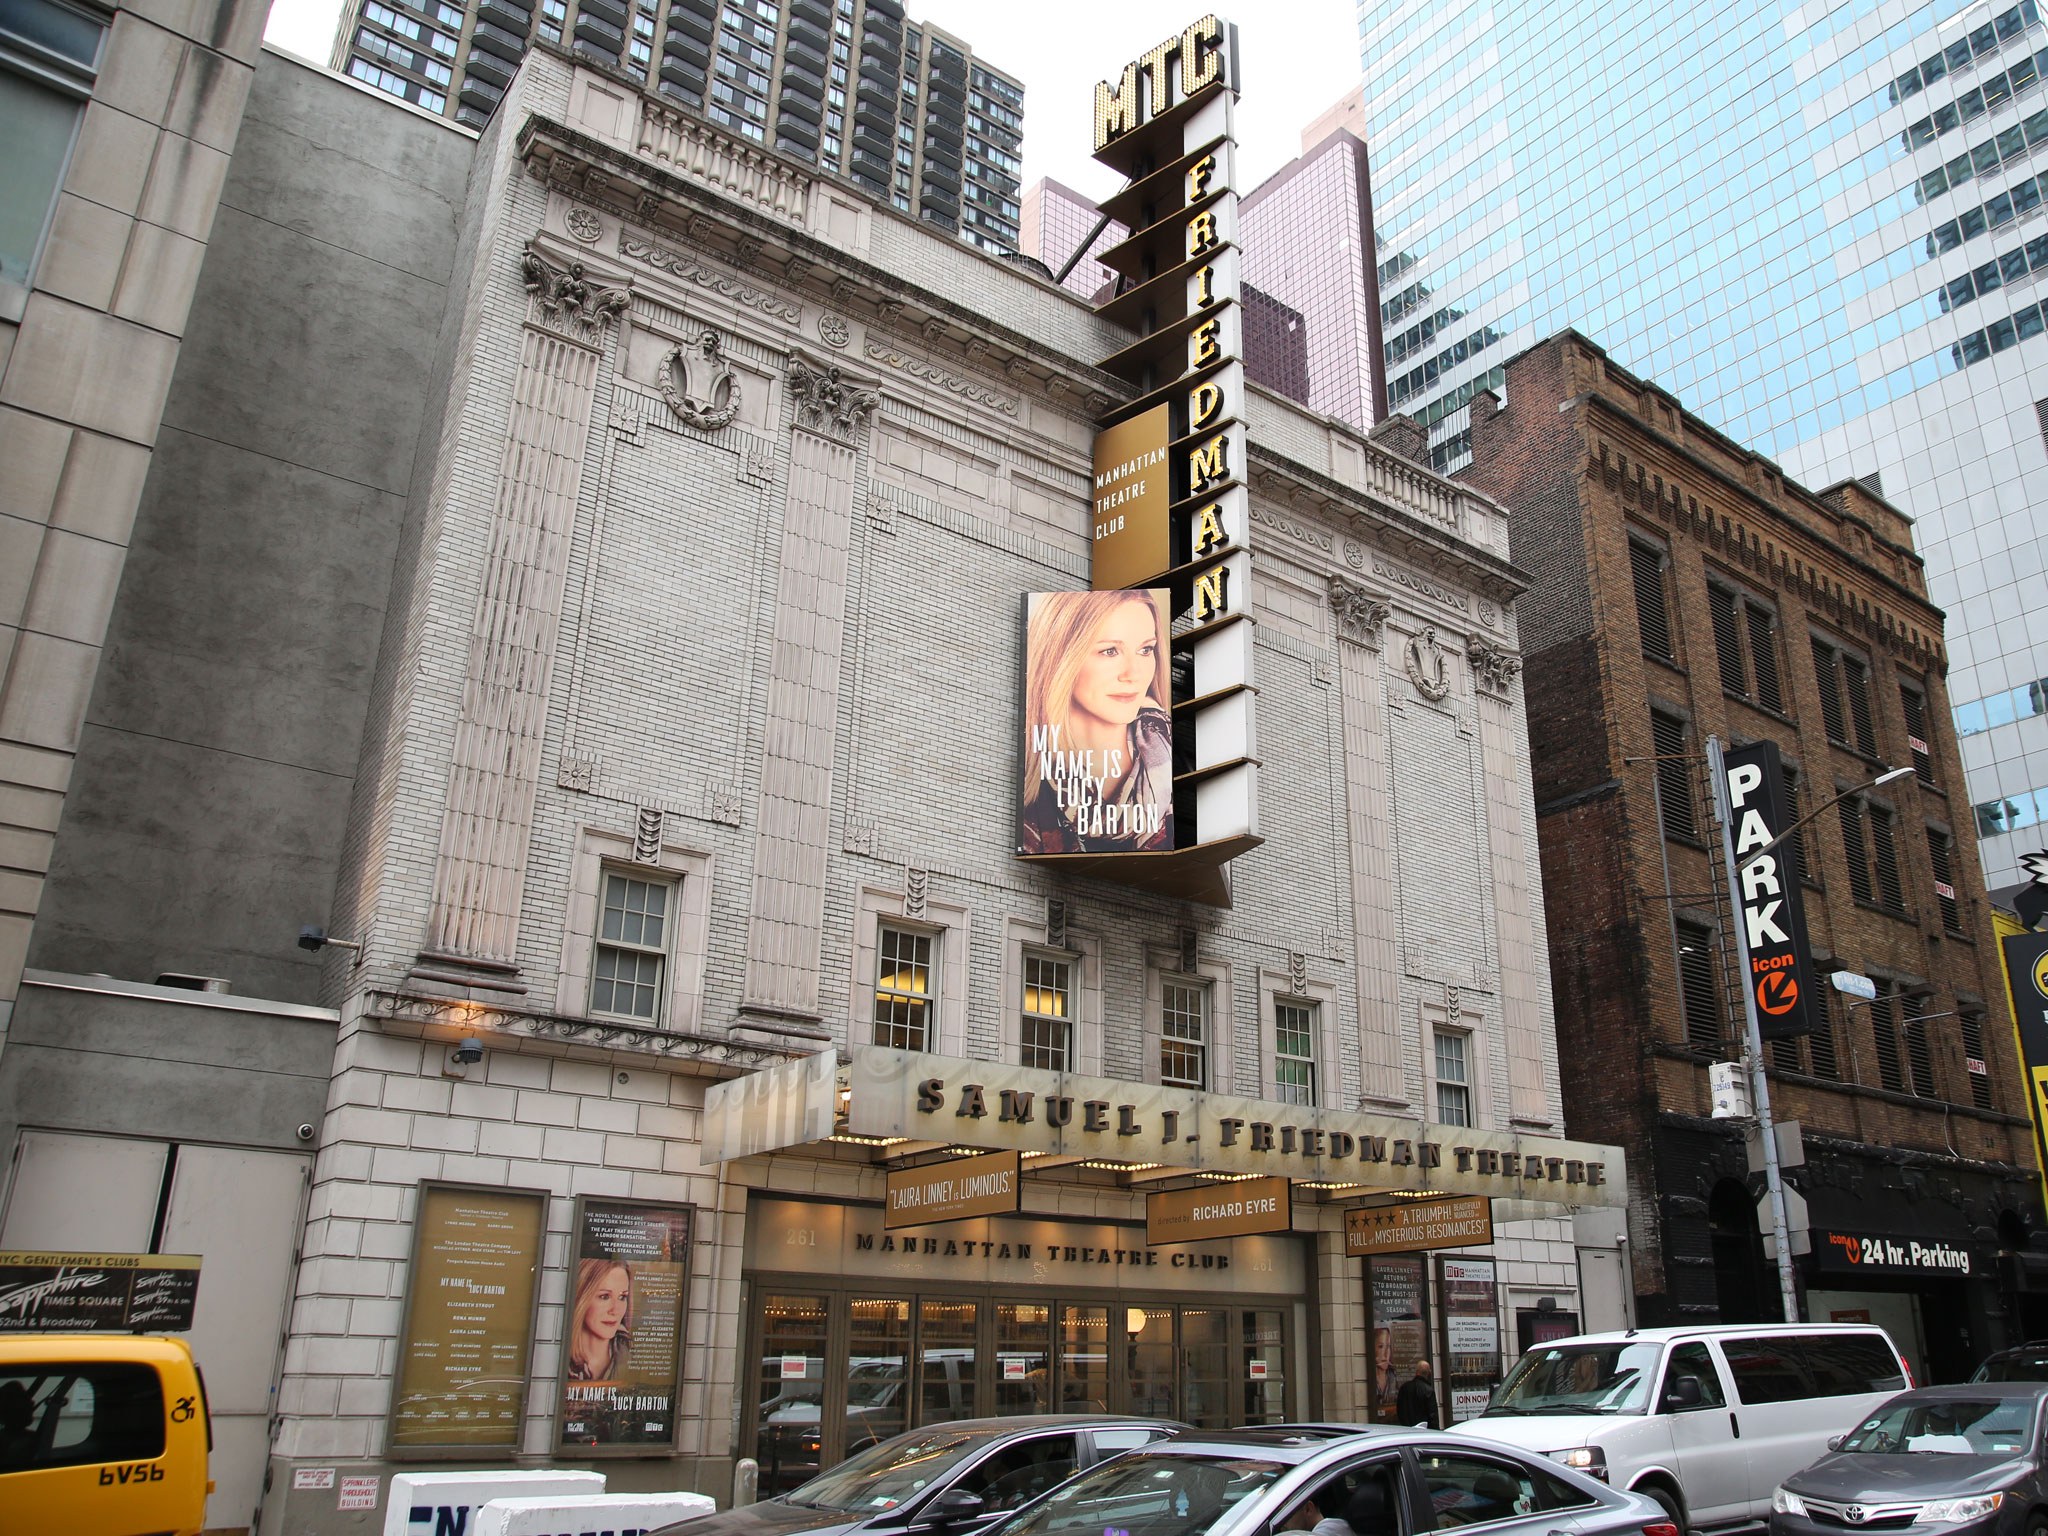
[836, 1359]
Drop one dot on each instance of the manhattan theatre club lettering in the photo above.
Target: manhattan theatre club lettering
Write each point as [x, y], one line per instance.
[1042, 1253]
[1282, 1141]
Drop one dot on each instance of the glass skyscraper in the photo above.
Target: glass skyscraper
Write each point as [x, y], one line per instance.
[1819, 225]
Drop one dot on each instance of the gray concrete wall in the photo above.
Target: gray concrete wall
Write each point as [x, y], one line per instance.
[162, 1063]
[206, 813]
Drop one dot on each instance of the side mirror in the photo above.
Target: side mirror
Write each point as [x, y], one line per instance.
[1835, 1442]
[1683, 1392]
[956, 1506]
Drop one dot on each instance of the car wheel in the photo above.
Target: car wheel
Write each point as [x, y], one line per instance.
[1675, 1510]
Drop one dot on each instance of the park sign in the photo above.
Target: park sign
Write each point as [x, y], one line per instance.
[1767, 899]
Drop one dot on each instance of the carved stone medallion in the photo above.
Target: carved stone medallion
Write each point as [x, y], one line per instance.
[832, 330]
[584, 225]
[1427, 668]
[699, 384]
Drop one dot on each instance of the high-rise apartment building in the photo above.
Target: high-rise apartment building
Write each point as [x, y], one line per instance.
[903, 109]
[1809, 221]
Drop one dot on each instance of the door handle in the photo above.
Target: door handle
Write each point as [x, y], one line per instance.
[1735, 1426]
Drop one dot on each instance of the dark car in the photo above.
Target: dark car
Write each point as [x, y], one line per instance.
[2022, 1362]
[954, 1478]
[1322, 1480]
[1964, 1458]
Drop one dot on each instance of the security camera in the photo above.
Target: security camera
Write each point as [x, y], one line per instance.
[305, 1130]
[469, 1052]
[315, 938]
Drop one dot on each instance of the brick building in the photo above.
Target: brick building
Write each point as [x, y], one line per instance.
[1684, 588]
[633, 536]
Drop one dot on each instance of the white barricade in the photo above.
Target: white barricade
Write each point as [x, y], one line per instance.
[609, 1514]
[445, 1503]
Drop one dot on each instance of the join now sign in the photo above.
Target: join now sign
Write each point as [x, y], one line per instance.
[1767, 896]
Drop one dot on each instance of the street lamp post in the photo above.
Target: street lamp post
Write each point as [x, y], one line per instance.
[1753, 1039]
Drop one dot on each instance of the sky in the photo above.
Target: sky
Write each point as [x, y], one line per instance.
[1298, 56]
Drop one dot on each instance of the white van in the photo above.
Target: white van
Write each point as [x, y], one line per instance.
[1707, 1421]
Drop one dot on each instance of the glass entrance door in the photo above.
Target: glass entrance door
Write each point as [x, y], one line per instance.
[790, 1395]
[841, 1367]
[1084, 1359]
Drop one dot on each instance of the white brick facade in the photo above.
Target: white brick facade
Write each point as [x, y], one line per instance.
[777, 659]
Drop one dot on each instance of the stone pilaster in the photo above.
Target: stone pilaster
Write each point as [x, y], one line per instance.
[497, 754]
[1359, 618]
[787, 911]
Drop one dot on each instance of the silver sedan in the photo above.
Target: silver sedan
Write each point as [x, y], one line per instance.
[1329, 1482]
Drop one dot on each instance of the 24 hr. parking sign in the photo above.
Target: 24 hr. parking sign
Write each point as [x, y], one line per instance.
[1767, 897]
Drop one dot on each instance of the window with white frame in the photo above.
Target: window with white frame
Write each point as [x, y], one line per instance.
[903, 988]
[1048, 1018]
[1453, 1077]
[634, 923]
[1294, 1051]
[1184, 1034]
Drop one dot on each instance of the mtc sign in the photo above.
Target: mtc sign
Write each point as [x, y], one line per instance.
[1781, 977]
[1171, 493]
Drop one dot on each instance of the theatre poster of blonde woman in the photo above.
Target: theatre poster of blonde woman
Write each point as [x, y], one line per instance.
[622, 1332]
[1098, 723]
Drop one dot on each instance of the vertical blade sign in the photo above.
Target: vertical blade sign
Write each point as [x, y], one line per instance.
[1767, 898]
[1171, 497]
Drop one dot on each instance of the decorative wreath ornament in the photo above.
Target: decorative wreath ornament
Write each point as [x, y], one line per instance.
[699, 384]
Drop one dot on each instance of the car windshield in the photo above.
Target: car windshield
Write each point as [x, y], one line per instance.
[883, 1476]
[1149, 1495]
[2015, 1365]
[1946, 1426]
[1580, 1378]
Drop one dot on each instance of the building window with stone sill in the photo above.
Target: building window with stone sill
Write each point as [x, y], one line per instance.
[1047, 1034]
[628, 970]
[1746, 647]
[904, 967]
[1453, 1050]
[1668, 741]
[49, 59]
[1184, 1034]
[1294, 1051]
[1647, 564]
[1844, 684]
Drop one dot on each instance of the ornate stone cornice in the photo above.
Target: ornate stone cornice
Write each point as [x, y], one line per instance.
[566, 300]
[447, 1017]
[1494, 666]
[1360, 614]
[754, 228]
[663, 259]
[917, 367]
[827, 401]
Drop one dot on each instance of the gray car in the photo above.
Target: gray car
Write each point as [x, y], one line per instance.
[1378, 1481]
[942, 1480]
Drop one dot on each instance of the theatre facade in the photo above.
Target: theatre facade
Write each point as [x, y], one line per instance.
[691, 799]
[711, 1078]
